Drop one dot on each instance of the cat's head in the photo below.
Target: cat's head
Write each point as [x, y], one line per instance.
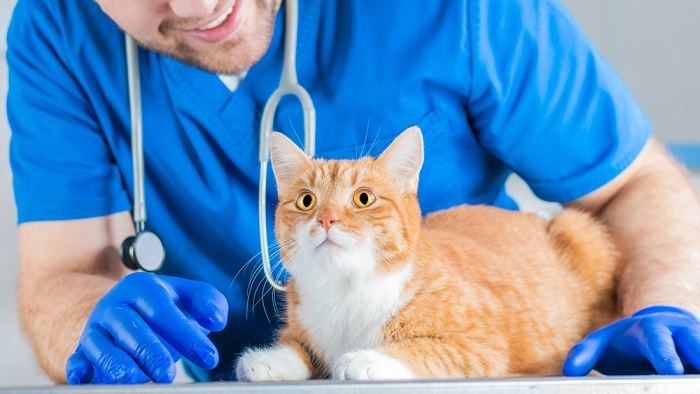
[354, 217]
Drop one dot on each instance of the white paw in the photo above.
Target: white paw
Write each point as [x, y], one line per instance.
[370, 365]
[274, 363]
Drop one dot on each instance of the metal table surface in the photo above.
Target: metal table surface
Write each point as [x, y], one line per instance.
[619, 384]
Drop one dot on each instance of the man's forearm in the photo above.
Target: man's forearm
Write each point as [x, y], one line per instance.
[53, 311]
[655, 220]
[65, 268]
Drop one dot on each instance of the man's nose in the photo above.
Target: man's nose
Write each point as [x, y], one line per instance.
[193, 8]
[326, 220]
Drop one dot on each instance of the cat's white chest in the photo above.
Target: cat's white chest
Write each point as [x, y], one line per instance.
[342, 315]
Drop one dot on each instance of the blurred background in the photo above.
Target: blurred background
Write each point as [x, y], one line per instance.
[654, 45]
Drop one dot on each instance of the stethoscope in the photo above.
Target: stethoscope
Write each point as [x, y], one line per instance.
[145, 250]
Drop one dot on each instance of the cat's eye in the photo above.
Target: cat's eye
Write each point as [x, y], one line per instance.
[306, 201]
[363, 198]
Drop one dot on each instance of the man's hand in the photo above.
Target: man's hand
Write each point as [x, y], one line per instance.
[142, 325]
[658, 339]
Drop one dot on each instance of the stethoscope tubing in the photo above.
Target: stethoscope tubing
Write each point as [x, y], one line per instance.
[139, 208]
[288, 85]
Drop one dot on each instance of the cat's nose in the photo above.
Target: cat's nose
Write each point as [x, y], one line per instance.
[326, 220]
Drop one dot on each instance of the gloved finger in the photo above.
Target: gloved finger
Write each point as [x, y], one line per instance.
[173, 353]
[109, 361]
[656, 344]
[203, 302]
[78, 368]
[666, 309]
[132, 333]
[183, 334]
[688, 345]
[583, 357]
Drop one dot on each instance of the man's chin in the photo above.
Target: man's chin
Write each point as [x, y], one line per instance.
[229, 58]
[235, 55]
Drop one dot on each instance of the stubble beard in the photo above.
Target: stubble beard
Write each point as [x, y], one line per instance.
[232, 56]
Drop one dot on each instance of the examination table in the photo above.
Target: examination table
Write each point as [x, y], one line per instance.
[688, 384]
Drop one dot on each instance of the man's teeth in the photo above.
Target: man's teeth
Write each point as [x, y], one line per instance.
[218, 20]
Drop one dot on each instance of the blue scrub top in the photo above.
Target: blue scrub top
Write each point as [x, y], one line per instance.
[496, 86]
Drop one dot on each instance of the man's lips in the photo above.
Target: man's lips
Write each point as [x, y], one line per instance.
[222, 27]
[219, 20]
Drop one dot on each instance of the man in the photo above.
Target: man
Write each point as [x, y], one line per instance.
[495, 86]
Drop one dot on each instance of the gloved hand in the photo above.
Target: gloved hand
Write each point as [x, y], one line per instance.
[658, 339]
[141, 327]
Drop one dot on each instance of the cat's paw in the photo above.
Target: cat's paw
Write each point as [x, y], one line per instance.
[370, 365]
[271, 364]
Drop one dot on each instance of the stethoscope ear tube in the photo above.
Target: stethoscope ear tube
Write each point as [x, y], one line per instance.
[288, 85]
[144, 250]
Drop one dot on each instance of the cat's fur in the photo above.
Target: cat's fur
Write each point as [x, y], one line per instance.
[468, 291]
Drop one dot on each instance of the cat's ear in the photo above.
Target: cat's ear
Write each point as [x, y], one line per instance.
[287, 159]
[403, 159]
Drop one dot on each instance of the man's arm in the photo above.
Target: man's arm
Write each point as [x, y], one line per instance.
[65, 268]
[654, 216]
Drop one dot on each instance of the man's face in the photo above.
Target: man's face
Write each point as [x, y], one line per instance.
[221, 36]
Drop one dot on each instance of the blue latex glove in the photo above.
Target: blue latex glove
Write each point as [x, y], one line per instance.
[658, 339]
[141, 327]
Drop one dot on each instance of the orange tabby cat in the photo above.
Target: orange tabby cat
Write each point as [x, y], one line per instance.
[378, 293]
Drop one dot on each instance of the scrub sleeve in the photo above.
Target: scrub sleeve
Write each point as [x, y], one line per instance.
[62, 167]
[545, 102]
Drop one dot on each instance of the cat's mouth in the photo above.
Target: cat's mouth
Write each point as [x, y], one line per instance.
[328, 242]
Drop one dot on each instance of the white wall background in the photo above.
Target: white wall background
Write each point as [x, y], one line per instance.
[654, 45]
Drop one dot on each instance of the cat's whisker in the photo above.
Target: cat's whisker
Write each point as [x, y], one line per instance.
[364, 142]
[253, 278]
[275, 249]
[245, 265]
[292, 251]
[264, 293]
[277, 277]
[256, 281]
[267, 317]
[376, 137]
[279, 274]
[273, 268]
[257, 286]
[301, 143]
[249, 288]
[273, 246]
[254, 274]
[274, 304]
[274, 296]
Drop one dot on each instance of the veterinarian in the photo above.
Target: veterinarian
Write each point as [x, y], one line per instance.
[496, 87]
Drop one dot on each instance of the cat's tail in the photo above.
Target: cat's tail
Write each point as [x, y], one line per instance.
[586, 247]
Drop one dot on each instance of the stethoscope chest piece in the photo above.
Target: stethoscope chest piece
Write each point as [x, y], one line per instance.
[143, 251]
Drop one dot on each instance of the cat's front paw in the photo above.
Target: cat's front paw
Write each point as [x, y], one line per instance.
[370, 365]
[272, 364]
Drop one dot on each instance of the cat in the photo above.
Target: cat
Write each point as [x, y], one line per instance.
[378, 292]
